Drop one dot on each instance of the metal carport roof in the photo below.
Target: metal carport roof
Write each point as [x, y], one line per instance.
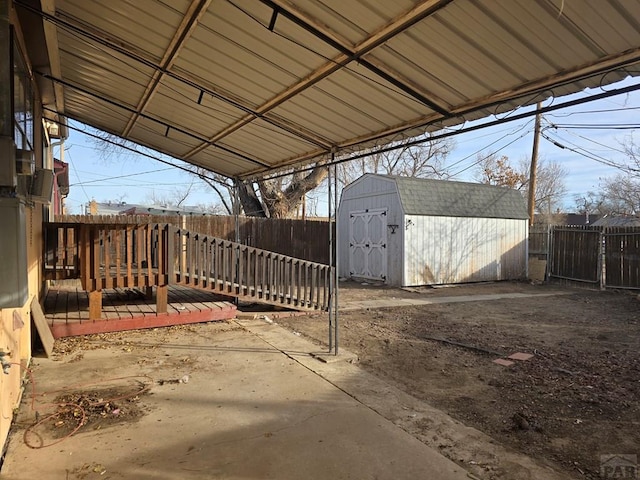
[244, 87]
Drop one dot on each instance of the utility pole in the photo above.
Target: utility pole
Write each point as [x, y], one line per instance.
[534, 165]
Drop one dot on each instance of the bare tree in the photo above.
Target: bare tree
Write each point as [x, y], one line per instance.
[550, 186]
[550, 181]
[175, 198]
[278, 197]
[494, 170]
[424, 160]
[617, 195]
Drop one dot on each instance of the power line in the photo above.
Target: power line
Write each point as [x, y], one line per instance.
[123, 176]
[594, 142]
[77, 176]
[601, 126]
[580, 151]
[513, 132]
[477, 162]
[586, 112]
[147, 155]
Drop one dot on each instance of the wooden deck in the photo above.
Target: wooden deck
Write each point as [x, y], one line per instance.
[66, 309]
[126, 257]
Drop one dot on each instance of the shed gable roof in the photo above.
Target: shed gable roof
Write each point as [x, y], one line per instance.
[421, 196]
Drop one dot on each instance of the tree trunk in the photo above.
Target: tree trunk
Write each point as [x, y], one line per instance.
[281, 202]
[249, 200]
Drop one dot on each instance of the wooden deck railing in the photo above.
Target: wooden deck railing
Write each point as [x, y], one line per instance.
[157, 255]
[230, 268]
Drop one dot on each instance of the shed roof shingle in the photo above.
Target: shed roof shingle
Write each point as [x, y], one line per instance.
[420, 196]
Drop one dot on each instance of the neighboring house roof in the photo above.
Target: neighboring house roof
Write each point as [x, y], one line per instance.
[580, 219]
[618, 221]
[115, 208]
[422, 196]
[566, 218]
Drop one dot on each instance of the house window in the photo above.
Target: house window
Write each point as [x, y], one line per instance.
[23, 111]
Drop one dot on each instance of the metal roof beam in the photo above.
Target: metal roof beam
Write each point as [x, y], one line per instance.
[129, 109]
[350, 54]
[182, 34]
[346, 56]
[128, 52]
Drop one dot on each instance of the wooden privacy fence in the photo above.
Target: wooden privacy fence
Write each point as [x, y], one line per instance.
[622, 257]
[539, 240]
[608, 257]
[305, 239]
[157, 255]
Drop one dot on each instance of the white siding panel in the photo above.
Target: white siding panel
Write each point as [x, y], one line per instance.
[441, 250]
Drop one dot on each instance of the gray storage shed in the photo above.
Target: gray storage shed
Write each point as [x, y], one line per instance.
[413, 231]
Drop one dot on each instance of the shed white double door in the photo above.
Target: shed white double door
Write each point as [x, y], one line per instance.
[368, 244]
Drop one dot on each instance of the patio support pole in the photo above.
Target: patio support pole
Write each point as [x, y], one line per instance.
[236, 209]
[236, 237]
[331, 276]
[336, 257]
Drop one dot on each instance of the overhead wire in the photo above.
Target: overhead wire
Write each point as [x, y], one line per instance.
[608, 147]
[586, 112]
[122, 176]
[480, 160]
[566, 145]
[147, 155]
[77, 175]
[512, 132]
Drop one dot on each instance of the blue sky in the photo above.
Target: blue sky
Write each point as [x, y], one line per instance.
[141, 178]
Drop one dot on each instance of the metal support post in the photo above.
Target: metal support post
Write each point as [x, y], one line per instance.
[331, 275]
[336, 257]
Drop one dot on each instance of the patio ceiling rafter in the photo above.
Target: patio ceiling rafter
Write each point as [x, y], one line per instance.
[190, 20]
[348, 54]
[131, 110]
[119, 47]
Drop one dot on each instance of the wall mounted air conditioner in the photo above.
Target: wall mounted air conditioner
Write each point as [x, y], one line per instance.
[42, 186]
[24, 162]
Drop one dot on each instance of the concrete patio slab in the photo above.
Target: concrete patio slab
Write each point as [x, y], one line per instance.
[254, 407]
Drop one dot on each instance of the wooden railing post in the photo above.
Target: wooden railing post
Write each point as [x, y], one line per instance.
[165, 267]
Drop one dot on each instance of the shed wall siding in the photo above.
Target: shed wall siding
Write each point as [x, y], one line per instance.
[441, 250]
[372, 193]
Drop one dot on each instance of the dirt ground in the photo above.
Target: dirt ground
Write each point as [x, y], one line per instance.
[576, 399]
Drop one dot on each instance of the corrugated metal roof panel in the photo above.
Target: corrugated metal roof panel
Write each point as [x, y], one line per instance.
[147, 25]
[176, 103]
[212, 156]
[324, 75]
[244, 58]
[98, 69]
[264, 141]
[149, 133]
[101, 115]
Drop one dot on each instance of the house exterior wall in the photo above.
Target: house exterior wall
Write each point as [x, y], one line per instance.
[15, 331]
[441, 250]
[371, 193]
